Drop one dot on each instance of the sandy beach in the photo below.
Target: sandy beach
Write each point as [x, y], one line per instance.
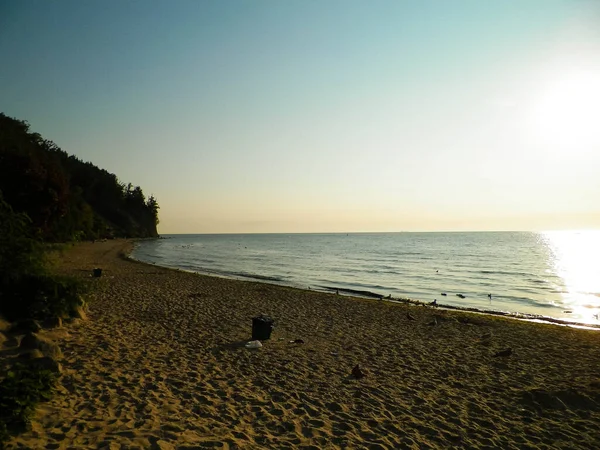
[160, 363]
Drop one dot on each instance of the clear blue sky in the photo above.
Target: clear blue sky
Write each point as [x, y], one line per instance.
[267, 116]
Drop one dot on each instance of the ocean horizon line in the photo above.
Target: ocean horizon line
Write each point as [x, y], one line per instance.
[574, 230]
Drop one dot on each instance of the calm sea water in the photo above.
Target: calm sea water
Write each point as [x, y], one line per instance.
[553, 274]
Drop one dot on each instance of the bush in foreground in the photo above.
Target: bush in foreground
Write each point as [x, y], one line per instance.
[42, 297]
[23, 388]
[27, 289]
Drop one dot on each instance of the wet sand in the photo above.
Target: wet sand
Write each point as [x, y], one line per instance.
[160, 363]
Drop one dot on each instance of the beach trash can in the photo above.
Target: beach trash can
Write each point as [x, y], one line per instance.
[262, 326]
[97, 273]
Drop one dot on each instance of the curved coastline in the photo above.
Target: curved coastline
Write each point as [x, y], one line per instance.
[370, 295]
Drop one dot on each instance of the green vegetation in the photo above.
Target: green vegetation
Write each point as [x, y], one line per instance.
[27, 291]
[65, 198]
[22, 389]
[20, 250]
[42, 297]
[47, 196]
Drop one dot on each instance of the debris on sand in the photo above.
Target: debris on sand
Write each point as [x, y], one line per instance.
[503, 353]
[357, 372]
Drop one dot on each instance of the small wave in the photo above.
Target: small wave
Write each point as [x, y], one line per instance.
[505, 272]
[349, 284]
[342, 270]
[387, 272]
[254, 276]
[528, 301]
[352, 291]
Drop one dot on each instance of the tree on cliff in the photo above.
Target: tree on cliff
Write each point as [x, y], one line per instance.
[66, 198]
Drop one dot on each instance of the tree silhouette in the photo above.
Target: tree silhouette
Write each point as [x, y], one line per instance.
[64, 197]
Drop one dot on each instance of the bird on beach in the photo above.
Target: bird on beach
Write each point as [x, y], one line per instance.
[503, 353]
[410, 316]
[490, 296]
[434, 302]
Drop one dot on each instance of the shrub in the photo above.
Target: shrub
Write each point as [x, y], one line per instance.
[26, 288]
[42, 297]
[22, 389]
[21, 253]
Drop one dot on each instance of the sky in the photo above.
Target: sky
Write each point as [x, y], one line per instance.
[322, 116]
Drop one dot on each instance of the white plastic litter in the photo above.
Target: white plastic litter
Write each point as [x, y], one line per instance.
[254, 344]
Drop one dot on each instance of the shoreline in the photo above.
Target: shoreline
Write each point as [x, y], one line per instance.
[161, 363]
[351, 293]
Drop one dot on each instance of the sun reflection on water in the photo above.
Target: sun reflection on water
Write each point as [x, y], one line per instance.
[576, 259]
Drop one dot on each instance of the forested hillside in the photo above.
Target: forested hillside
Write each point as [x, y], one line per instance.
[66, 198]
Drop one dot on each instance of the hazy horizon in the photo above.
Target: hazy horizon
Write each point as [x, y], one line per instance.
[317, 117]
[570, 231]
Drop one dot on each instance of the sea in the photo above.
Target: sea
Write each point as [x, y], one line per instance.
[537, 275]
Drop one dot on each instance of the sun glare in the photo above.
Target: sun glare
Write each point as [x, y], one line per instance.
[566, 111]
[576, 262]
